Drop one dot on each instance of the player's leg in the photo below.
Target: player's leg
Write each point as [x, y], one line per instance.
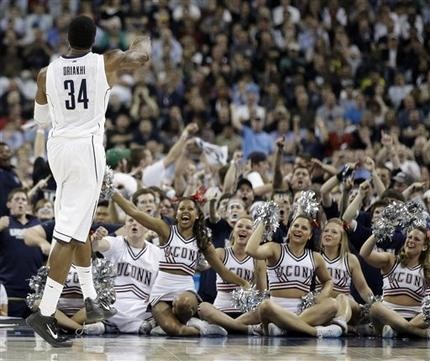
[43, 320]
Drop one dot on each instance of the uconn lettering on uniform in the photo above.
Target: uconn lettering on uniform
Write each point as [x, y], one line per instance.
[138, 273]
[405, 281]
[246, 274]
[178, 251]
[74, 70]
[16, 232]
[179, 254]
[293, 271]
[406, 278]
[338, 274]
[72, 277]
[243, 268]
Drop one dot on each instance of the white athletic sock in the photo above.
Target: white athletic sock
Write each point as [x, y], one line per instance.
[51, 295]
[86, 281]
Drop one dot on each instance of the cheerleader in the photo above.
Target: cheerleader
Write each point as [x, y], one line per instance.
[405, 281]
[344, 269]
[290, 269]
[223, 312]
[173, 297]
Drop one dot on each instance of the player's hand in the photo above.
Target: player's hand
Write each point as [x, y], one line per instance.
[143, 44]
[147, 45]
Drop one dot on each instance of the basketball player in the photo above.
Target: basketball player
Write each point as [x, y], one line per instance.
[137, 263]
[72, 95]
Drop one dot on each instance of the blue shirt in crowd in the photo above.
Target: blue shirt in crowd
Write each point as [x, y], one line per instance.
[256, 142]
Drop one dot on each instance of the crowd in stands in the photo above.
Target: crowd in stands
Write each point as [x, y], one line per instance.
[324, 95]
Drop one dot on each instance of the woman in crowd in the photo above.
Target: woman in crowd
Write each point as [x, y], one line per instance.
[173, 298]
[405, 280]
[291, 268]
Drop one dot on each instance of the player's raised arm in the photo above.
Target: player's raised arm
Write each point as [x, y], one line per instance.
[136, 56]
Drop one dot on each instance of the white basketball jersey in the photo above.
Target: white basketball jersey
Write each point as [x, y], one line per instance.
[78, 95]
[291, 272]
[244, 269]
[339, 272]
[136, 272]
[179, 254]
[405, 281]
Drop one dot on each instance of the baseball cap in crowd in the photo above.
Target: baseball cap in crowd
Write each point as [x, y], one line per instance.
[252, 88]
[257, 157]
[404, 178]
[243, 181]
[115, 155]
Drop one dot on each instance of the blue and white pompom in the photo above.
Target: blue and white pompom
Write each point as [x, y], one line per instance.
[268, 214]
[104, 274]
[405, 216]
[307, 204]
[107, 185]
[202, 263]
[248, 299]
[425, 309]
[37, 285]
[308, 300]
[416, 217]
[365, 309]
[393, 216]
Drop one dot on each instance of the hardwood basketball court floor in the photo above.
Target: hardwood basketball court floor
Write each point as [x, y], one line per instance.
[19, 344]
